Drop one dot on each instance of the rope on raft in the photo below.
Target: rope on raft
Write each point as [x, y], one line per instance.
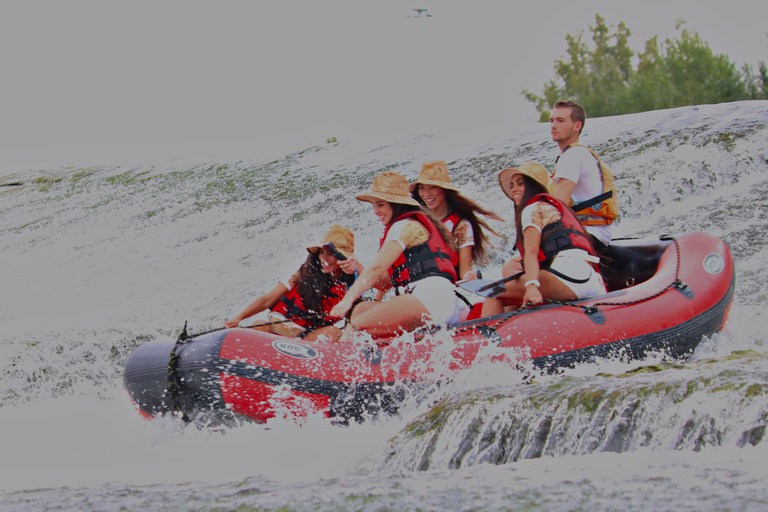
[593, 309]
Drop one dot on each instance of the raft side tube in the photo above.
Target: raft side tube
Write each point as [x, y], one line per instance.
[146, 375]
[198, 373]
[678, 342]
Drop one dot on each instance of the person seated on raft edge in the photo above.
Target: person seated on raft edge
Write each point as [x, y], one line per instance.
[306, 298]
[459, 214]
[555, 251]
[416, 255]
[580, 175]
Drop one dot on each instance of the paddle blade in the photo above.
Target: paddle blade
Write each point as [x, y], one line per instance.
[483, 287]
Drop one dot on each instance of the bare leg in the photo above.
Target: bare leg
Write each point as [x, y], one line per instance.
[513, 266]
[364, 306]
[327, 333]
[261, 325]
[551, 288]
[492, 307]
[401, 313]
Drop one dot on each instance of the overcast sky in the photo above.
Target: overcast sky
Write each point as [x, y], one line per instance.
[160, 72]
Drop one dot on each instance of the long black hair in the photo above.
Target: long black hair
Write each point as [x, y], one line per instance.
[467, 209]
[399, 209]
[532, 188]
[314, 284]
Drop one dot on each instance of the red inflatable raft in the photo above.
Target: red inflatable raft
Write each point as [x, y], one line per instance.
[665, 296]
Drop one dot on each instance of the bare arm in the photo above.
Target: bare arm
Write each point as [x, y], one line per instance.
[370, 277]
[351, 265]
[531, 242]
[461, 234]
[260, 304]
[465, 263]
[564, 190]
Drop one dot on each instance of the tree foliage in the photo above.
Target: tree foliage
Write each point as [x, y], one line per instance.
[611, 79]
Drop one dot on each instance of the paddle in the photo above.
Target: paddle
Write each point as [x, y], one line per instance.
[487, 288]
[287, 320]
[184, 336]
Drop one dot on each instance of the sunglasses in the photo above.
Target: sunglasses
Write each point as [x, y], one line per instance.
[329, 248]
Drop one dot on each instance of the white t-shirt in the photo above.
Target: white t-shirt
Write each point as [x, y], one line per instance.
[539, 215]
[408, 233]
[580, 166]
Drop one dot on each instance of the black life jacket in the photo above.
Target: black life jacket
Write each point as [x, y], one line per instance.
[432, 258]
[566, 233]
[291, 306]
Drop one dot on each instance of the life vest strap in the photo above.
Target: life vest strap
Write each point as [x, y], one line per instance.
[592, 201]
[593, 220]
[563, 276]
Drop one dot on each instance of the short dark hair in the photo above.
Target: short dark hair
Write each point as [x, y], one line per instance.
[577, 112]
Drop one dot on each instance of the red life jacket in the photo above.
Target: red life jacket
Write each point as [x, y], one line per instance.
[451, 221]
[291, 306]
[454, 220]
[566, 233]
[432, 258]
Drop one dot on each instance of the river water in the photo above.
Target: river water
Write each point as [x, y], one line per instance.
[98, 258]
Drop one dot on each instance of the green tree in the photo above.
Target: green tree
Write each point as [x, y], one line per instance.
[757, 85]
[652, 81]
[697, 75]
[677, 72]
[598, 77]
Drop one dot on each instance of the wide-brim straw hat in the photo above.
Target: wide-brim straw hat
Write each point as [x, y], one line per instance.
[391, 187]
[343, 240]
[435, 173]
[535, 171]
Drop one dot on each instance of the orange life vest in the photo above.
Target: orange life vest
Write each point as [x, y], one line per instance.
[566, 233]
[607, 211]
[291, 306]
[432, 258]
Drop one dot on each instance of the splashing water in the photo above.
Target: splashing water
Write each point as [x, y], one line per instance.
[97, 260]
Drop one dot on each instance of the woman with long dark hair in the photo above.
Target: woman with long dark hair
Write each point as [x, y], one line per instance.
[416, 255]
[299, 306]
[459, 214]
[555, 251]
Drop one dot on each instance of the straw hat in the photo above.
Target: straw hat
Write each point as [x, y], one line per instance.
[434, 173]
[531, 169]
[391, 187]
[343, 240]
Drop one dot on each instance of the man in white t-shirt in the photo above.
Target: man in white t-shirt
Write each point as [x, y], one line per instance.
[577, 175]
